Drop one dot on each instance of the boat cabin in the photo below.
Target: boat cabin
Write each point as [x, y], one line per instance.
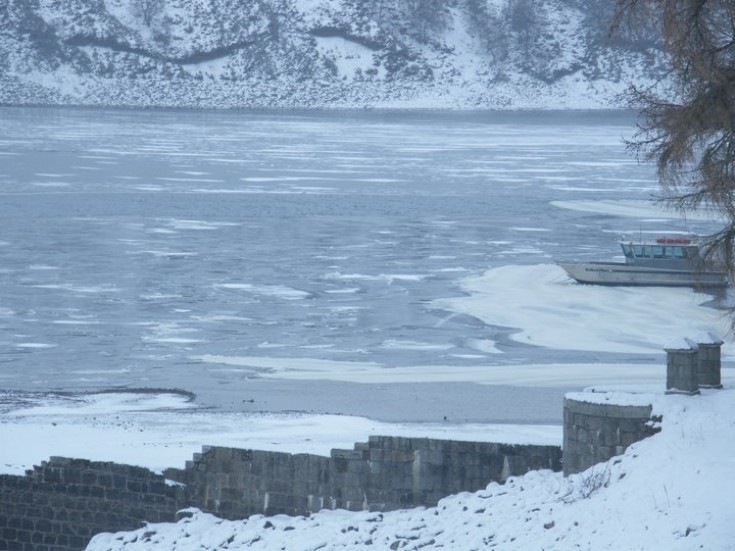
[665, 252]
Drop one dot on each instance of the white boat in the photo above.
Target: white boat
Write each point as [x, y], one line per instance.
[669, 261]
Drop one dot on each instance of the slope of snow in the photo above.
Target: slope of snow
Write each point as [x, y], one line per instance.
[674, 491]
[314, 53]
[349, 57]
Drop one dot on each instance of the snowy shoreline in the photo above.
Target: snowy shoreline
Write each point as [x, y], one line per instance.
[668, 491]
[161, 430]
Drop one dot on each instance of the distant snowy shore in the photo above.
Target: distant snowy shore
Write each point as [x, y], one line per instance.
[67, 88]
[456, 54]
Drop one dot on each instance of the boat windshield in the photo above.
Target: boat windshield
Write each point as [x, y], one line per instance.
[654, 251]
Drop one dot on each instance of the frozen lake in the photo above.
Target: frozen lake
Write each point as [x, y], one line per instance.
[270, 261]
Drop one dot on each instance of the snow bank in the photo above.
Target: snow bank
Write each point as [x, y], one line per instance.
[672, 491]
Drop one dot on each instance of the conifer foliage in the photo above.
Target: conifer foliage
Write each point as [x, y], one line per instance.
[688, 129]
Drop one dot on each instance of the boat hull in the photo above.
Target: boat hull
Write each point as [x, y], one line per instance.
[615, 273]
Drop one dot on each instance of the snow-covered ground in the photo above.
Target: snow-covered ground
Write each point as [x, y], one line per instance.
[674, 491]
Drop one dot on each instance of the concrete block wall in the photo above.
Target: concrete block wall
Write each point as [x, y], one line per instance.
[350, 478]
[595, 432]
[384, 474]
[408, 472]
[61, 504]
[236, 483]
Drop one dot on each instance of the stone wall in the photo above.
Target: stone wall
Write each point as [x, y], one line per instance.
[595, 432]
[407, 472]
[384, 474]
[61, 504]
[236, 483]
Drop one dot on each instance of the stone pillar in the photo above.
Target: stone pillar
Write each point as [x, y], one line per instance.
[597, 430]
[709, 359]
[682, 368]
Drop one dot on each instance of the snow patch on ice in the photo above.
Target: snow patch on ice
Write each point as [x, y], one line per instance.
[548, 309]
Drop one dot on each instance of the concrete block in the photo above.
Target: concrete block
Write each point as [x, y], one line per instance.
[424, 484]
[682, 370]
[710, 364]
[347, 454]
[582, 435]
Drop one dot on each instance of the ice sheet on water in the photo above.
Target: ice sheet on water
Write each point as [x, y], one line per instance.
[278, 291]
[340, 229]
[549, 310]
[633, 208]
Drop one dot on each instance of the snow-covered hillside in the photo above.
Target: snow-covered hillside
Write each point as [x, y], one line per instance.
[674, 491]
[318, 53]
